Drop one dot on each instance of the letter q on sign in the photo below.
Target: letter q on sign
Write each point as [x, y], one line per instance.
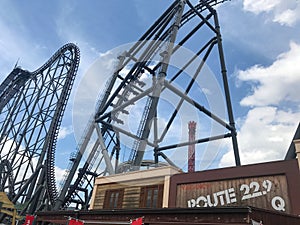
[278, 203]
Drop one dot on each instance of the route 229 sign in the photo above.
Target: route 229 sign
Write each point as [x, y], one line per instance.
[273, 186]
[263, 191]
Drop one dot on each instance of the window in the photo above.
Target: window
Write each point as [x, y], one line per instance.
[151, 196]
[113, 199]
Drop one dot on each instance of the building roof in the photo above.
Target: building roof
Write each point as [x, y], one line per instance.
[175, 216]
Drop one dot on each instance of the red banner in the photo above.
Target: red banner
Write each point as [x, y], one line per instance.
[138, 221]
[28, 220]
[75, 222]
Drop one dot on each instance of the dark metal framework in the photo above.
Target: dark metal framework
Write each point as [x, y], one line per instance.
[31, 109]
[107, 135]
[32, 105]
[291, 153]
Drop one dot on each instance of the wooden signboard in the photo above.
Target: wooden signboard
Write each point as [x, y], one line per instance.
[268, 192]
[272, 186]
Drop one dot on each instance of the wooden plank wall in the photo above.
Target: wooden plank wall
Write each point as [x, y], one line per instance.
[132, 191]
[268, 192]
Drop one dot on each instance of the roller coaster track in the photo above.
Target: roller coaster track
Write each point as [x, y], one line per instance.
[31, 110]
[150, 55]
[32, 105]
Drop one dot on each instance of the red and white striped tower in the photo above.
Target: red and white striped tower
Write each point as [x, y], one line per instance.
[191, 152]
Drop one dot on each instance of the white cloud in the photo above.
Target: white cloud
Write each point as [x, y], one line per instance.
[276, 83]
[285, 12]
[258, 6]
[288, 17]
[59, 176]
[267, 130]
[64, 131]
[264, 136]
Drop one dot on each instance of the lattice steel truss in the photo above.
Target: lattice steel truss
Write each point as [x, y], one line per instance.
[182, 25]
[32, 106]
[31, 109]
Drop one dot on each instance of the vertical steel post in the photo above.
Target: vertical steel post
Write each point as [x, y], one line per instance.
[226, 89]
[159, 85]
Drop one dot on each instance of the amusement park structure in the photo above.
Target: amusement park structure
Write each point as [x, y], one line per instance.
[157, 77]
[32, 106]
[191, 148]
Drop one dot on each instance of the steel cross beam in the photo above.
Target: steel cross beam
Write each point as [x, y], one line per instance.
[152, 56]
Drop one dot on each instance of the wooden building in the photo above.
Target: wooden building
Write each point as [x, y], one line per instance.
[138, 189]
[173, 216]
[265, 185]
[265, 193]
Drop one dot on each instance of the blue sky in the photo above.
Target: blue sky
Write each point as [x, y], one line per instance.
[261, 40]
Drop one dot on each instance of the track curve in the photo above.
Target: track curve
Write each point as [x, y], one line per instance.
[32, 107]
